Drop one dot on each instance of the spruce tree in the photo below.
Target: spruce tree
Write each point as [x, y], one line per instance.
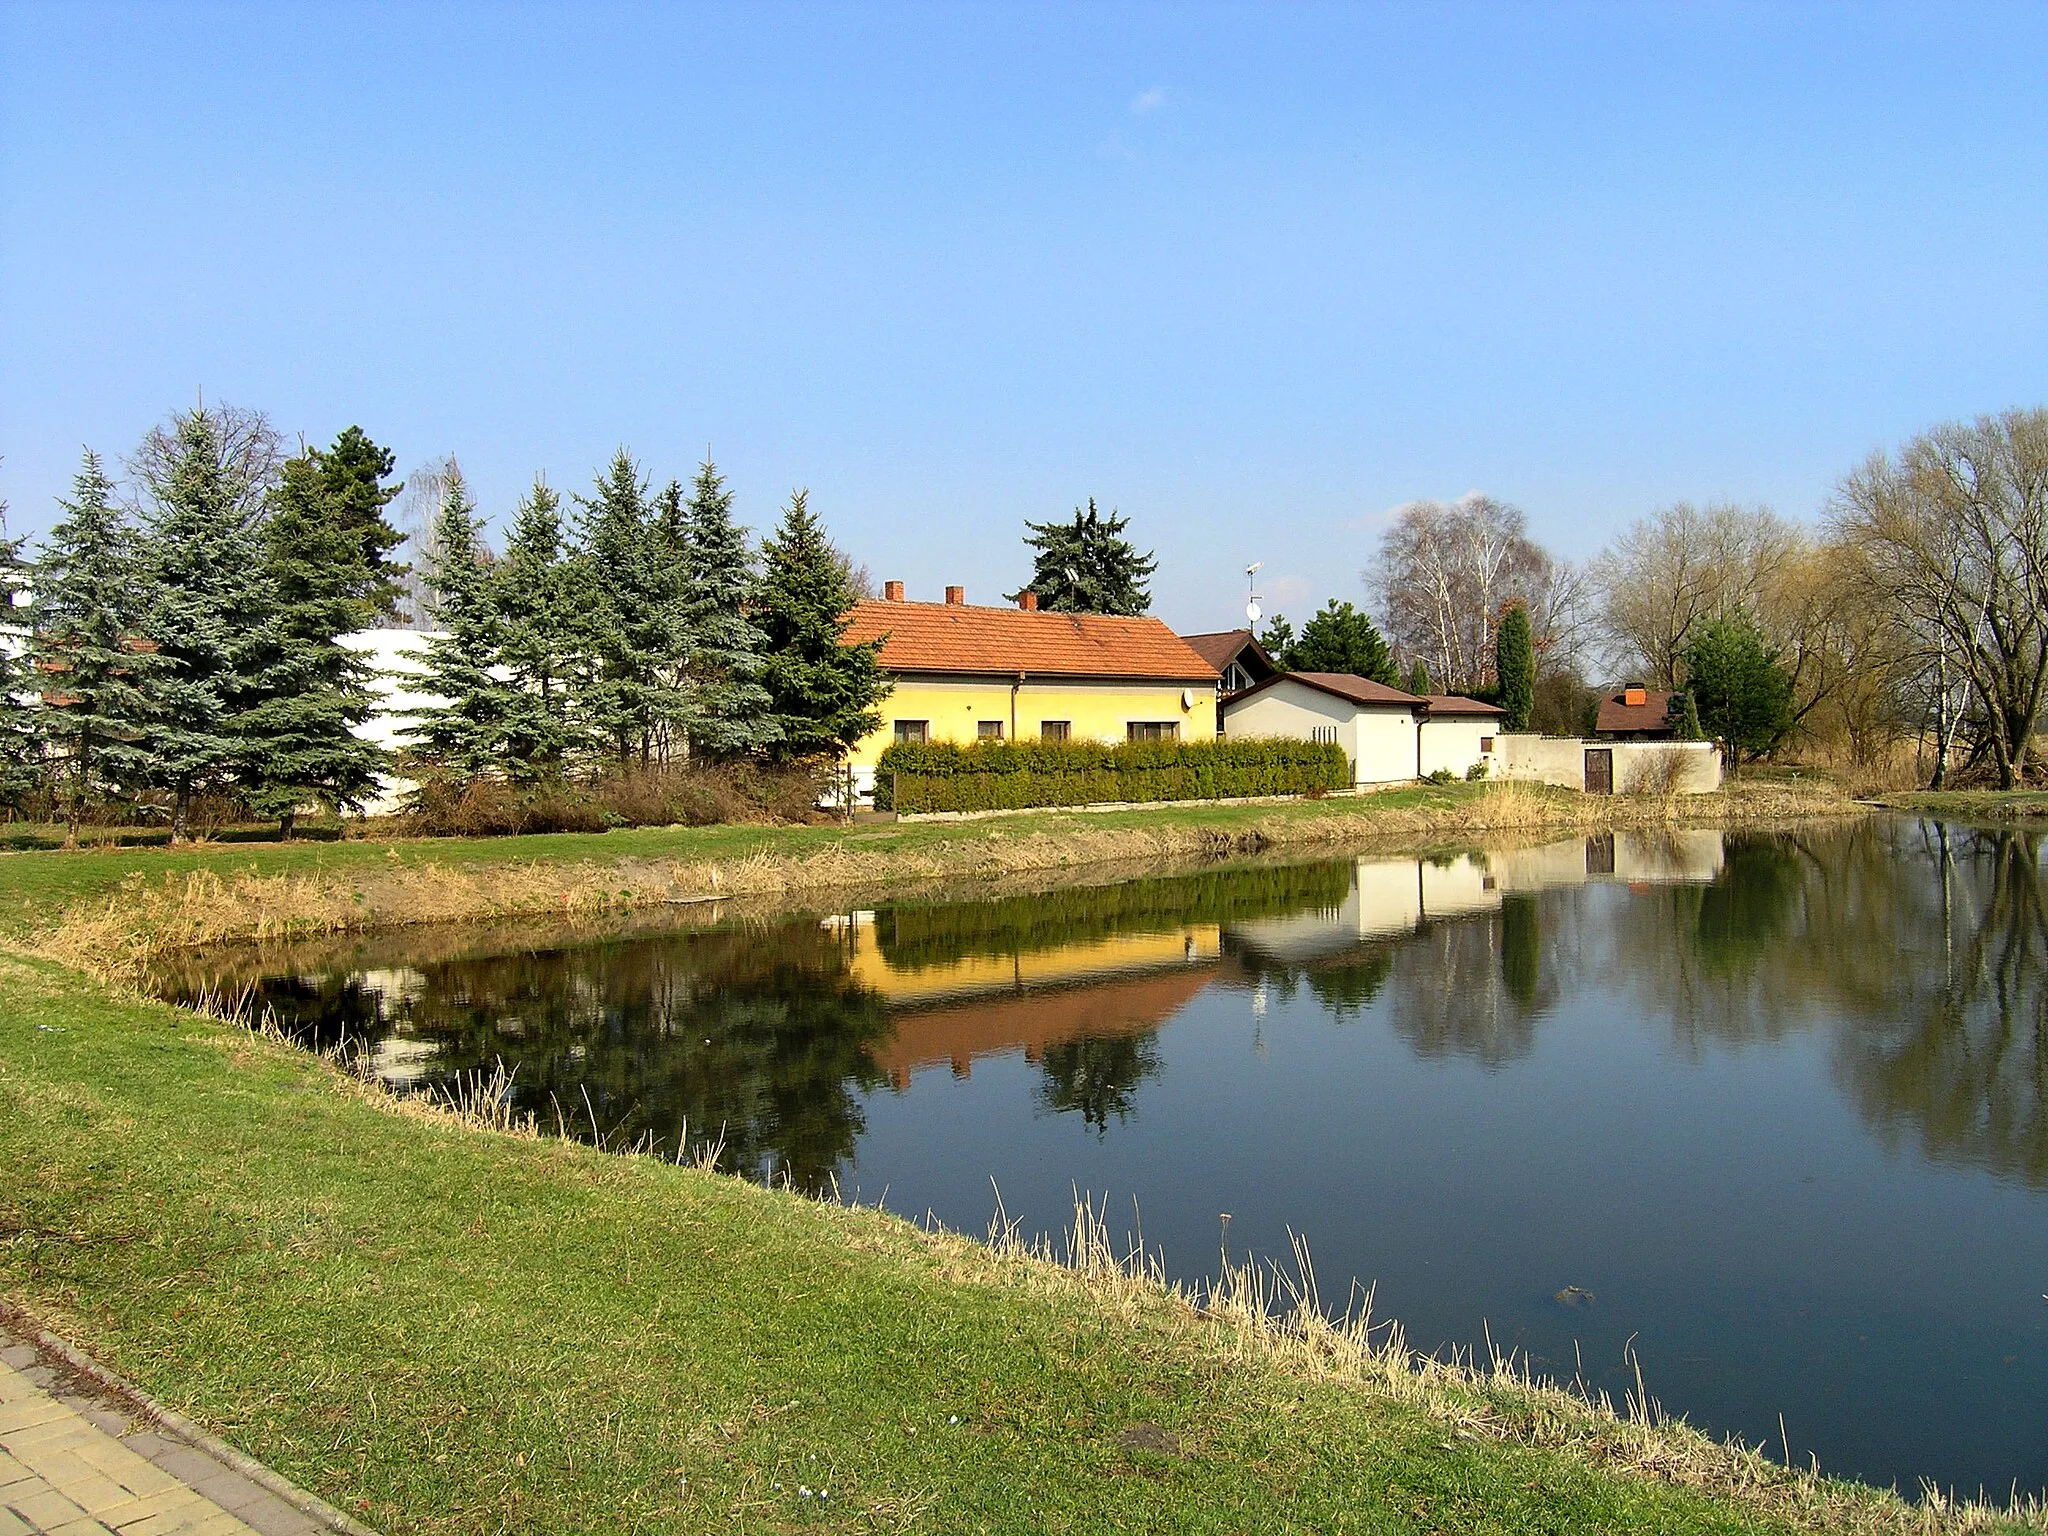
[628, 618]
[352, 475]
[323, 557]
[1418, 678]
[210, 609]
[1342, 638]
[1278, 639]
[727, 709]
[822, 692]
[532, 597]
[21, 767]
[1514, 657]
[1088, 566]
[461, 737]
[96, 668]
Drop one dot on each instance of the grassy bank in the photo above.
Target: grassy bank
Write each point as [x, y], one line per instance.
[1990, 805]
[101, 908]
[447, 1330]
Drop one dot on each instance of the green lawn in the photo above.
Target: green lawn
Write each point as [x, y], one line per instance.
[441, 1330]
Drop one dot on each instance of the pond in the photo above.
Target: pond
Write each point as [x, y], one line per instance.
[1769, 1111]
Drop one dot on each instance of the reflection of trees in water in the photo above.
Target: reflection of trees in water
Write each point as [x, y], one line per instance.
[1923, 948]
[1098, 1075]
[1963, 1066]
[756, 1034]
[1475, 987]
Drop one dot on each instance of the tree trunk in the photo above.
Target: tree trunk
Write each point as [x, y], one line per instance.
[286, 823]
[181, 804]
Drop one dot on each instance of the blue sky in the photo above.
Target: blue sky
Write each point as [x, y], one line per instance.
[1254, 274]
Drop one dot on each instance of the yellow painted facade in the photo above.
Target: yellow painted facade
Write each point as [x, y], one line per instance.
[1126, 954]
[954, 708]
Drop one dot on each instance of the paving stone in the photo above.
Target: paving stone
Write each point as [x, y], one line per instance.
[12, 1524]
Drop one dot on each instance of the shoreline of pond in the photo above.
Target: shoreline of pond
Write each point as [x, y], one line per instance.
[1234, 1397]
[122, 910]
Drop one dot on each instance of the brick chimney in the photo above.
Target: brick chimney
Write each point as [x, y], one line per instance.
[892, 591]
[1028, 601]
[956, 597]
[1635, 698]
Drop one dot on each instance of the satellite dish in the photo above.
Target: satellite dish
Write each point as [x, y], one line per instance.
[1251, 610]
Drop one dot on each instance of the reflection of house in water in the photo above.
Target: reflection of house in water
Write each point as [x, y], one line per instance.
[955, 1009]
[1391, 898]
[990, 994]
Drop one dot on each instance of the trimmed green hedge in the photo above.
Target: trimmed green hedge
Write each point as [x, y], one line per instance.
[1010, 775]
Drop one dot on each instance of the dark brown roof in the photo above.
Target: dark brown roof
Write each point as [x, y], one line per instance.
[1343, 685]
[952, 637]
[1221, 648]
[1458, 704]
[1618, 717]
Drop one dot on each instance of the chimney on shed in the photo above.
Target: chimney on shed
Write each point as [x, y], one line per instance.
[892, 591]
[1635, 698]
[1028, 601]
[956, 597]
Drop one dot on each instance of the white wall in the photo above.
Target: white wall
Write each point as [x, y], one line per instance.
[397, 655]
[1379, 739]
[1453, 742]
[1639, 766]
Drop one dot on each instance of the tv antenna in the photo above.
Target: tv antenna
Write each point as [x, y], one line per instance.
[1251, 607]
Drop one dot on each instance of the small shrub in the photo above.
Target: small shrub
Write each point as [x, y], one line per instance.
[1440, 776]
[1477, 771]
[1665, 772]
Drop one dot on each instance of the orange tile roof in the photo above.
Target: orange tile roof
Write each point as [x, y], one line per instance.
[953, 637]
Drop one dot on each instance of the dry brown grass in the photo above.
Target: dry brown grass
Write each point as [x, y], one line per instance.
[145, 918]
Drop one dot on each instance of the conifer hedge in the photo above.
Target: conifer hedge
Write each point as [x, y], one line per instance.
[1011, 775]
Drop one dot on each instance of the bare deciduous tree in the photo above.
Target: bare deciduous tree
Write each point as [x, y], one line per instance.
[1952, 538]
[1448, 572]
[251, 451]
[1673, 572]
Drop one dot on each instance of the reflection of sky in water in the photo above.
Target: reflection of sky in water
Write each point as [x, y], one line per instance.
[1776, 1103]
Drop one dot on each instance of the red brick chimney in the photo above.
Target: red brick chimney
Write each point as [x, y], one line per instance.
[956, 597]
[1635, 698]
[892, 591]
[1028, 601]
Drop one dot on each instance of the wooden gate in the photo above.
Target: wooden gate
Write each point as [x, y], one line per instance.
[1599, 770]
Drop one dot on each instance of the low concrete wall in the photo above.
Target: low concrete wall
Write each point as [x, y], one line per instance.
[1640, 767]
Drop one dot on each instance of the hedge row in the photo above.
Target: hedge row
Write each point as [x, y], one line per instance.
[1010, 775]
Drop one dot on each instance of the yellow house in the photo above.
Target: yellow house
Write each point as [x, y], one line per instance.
[964, 673]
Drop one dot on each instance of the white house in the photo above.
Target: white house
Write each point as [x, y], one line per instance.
[1388, 735]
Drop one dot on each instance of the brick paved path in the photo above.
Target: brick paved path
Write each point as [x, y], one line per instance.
[73, 1463]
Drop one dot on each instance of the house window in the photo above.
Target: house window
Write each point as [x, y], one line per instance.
[1055, 730]
[988, 730]
[1323, 733]
[1486, 743]
[913, 730]
[1152, 730]
[1236, 679]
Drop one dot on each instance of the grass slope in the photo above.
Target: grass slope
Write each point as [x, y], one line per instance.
[442, 1330]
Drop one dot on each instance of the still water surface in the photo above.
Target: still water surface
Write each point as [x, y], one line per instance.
[1774, 1108]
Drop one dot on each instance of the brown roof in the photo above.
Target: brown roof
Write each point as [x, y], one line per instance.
[1221, 648]
[1618, 716]
[1344, 685]
[1458, 704]
[952, 637]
